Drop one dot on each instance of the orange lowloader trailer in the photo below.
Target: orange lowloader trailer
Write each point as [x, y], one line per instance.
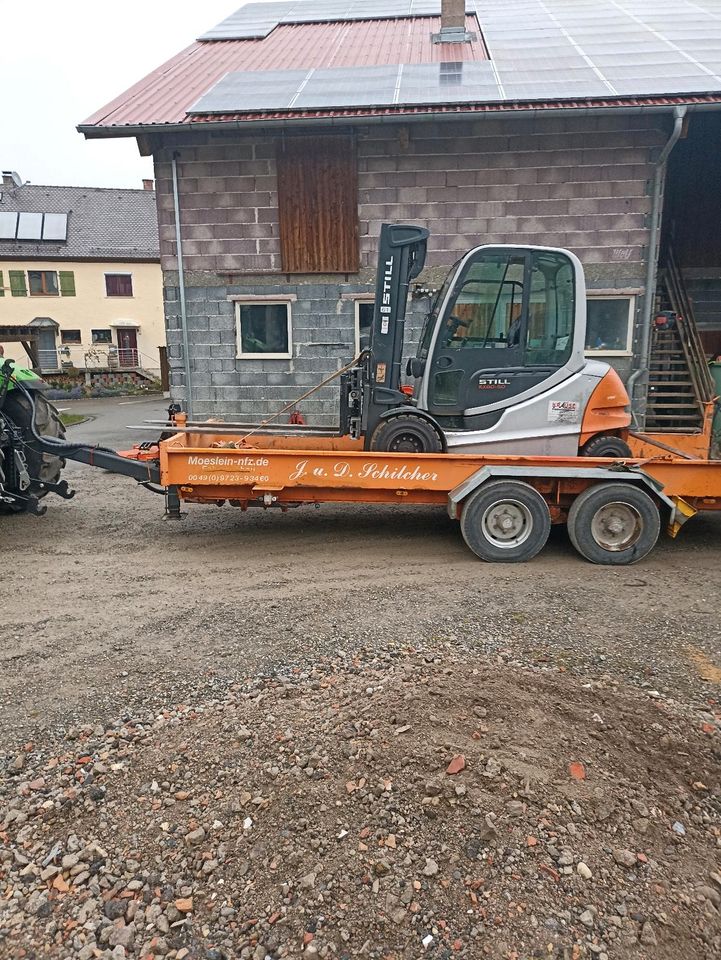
[614, 509]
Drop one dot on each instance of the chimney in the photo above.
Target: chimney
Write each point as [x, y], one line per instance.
[453, 23]
[11, 179]
[148, 184]
[453, 15]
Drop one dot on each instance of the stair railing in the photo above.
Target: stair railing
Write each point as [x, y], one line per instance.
[688, 332]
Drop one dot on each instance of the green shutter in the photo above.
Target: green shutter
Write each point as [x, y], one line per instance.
[17, 283]
[67, 283]
[2, 285]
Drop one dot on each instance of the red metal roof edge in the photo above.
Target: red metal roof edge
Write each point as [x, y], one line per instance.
[402, 111]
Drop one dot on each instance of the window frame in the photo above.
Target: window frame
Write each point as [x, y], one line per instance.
[119, 296]
[358, 302]
[71, 343]
[264, 302]
[43, 293]
[605, 352]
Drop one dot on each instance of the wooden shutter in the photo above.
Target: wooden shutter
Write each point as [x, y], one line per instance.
[67, 283]
[2, 285]
[17, 283]
[318, 204]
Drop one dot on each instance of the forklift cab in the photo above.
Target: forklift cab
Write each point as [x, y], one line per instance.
[505, 327]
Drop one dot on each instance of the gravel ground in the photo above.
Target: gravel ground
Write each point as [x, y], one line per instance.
[281, 633]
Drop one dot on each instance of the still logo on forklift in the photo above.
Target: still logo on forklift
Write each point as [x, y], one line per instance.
[385, 307]
[493, 383]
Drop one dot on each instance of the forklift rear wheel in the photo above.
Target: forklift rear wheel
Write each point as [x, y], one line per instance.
[506, 521]
[406, 434]
[614, 524]
[606, 445]
[43, 467]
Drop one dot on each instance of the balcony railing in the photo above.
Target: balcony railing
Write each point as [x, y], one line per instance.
[99, 357]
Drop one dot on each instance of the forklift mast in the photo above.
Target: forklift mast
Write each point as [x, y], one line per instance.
[401, 256]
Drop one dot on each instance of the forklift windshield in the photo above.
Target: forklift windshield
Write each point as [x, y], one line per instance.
[506, 326]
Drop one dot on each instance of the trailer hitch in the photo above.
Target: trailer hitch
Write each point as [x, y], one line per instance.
[60, 488]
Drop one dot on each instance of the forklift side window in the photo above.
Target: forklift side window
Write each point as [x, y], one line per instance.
[551, 309]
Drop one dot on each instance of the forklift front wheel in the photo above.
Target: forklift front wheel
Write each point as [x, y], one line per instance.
[406, 433]
[506, 521]
[614, 524]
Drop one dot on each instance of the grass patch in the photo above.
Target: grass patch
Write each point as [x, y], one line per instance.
[68, 419]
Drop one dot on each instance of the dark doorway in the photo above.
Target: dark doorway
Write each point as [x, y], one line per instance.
[128, 348]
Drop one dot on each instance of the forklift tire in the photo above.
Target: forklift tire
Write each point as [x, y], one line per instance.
[506, 521]
[406, 434]
[606, 445]
[43, 467]
[614, 524]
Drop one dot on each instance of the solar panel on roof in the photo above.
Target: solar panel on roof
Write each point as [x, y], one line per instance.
[352, 86]
[259, 19]
[539, 48]
[8, 225]
[30, 226]
[55, 226]
[464, 82]
[252, 90]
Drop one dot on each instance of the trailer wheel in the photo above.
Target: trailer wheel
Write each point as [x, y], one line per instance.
[41, 466]
[406, 434]
[614, 523]
[606, 445]
[506, 521]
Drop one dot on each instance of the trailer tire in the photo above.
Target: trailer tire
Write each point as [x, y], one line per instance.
[505, 521]
[614, 524]
[42, 467]
[606, 445]
[406, 433]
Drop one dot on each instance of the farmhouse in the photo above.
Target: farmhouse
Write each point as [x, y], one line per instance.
[286, 135]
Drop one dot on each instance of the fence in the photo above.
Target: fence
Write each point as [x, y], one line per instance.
[97, 357]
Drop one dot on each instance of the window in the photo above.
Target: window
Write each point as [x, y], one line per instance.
[363, 321]
[609, 324]
[318, 204]
[102, 336]
[70, 336]
[119, 284]
[43, 283]
[263, 330]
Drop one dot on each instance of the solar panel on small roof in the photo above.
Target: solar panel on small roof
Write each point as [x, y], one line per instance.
[55, 226]
[30, 226]
[8, 225]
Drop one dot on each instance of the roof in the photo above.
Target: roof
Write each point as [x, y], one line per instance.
[103, 223]
[304, 59]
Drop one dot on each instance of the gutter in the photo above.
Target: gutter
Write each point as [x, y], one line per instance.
[181, 288]
[639, 403]
[95, 132]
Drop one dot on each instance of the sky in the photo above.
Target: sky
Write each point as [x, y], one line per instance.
[64, 59]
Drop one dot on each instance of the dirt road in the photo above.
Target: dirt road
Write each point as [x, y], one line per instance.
[107, 607]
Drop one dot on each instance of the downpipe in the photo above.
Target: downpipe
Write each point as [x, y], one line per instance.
[679, 115]
[181, 288]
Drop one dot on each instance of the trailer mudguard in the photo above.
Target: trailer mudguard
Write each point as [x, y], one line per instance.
[617, 472]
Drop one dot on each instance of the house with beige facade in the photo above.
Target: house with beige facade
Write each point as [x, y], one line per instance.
[80, 268]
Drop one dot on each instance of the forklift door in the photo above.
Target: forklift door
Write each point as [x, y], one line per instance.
[506, 328]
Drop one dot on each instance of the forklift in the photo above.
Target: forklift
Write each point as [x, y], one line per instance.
[500, 366]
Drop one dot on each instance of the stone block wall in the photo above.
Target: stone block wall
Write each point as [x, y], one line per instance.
[580, 183]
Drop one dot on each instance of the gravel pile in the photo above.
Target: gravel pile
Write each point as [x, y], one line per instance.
[391, 807]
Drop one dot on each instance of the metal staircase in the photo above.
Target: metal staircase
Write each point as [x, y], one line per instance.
[679, 384]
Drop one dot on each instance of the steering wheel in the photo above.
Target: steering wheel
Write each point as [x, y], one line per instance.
[454, 323]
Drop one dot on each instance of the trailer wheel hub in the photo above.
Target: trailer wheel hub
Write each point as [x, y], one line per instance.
[616, 526]
[507, 523]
